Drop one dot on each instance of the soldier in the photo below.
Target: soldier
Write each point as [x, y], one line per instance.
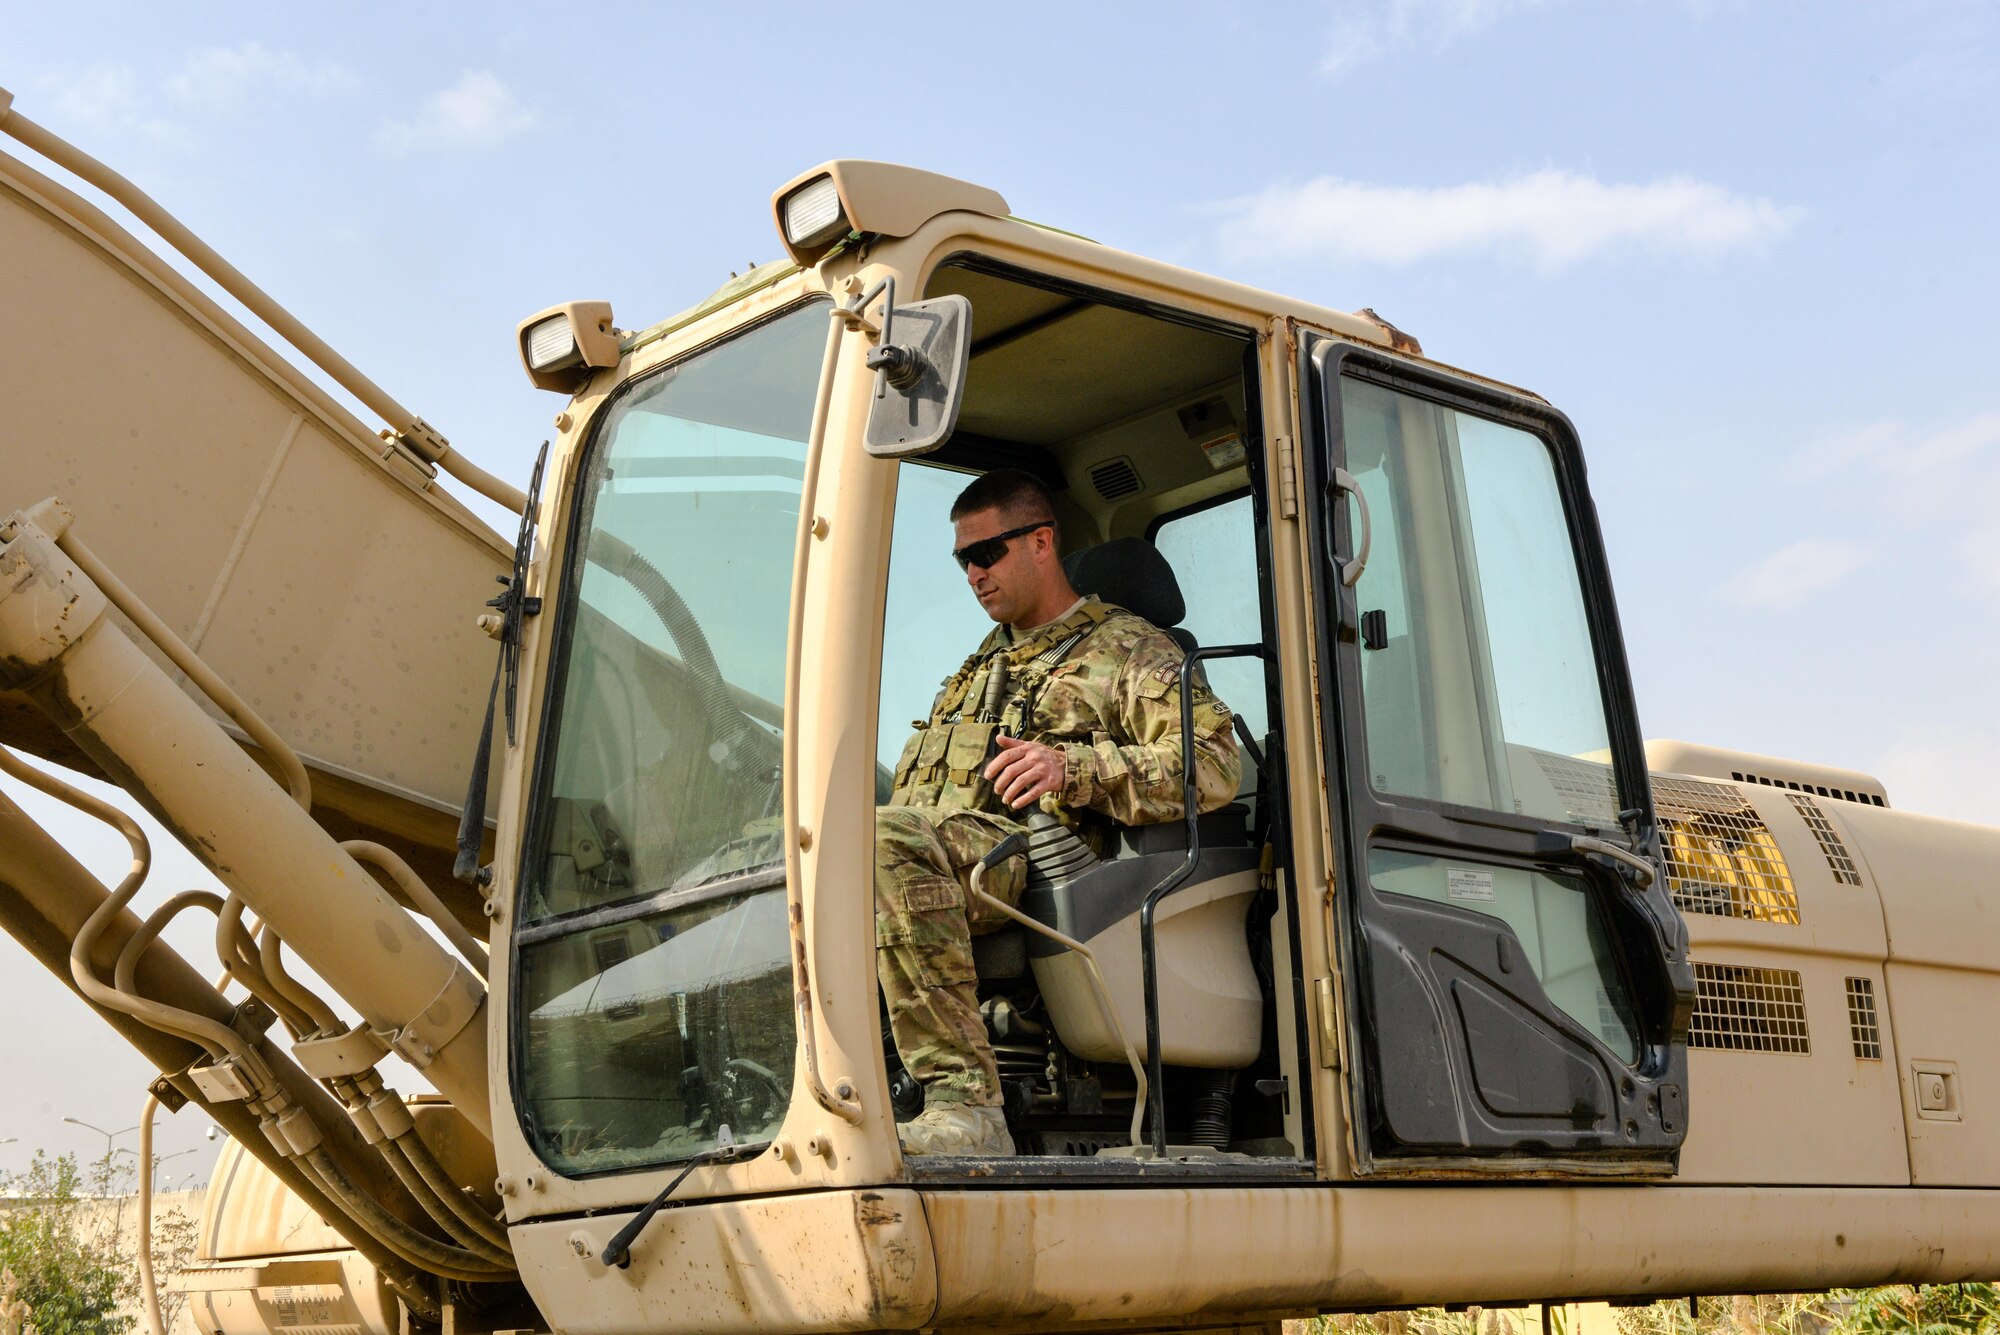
[1070, 703]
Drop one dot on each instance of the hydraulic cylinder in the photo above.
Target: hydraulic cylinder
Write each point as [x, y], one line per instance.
[60, 649]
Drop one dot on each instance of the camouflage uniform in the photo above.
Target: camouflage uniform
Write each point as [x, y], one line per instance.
[1099, 684]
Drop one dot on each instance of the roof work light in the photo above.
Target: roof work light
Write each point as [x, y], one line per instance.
[562, 345]
[816, 210]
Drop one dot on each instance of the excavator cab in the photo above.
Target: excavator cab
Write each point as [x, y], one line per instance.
[1387, 570]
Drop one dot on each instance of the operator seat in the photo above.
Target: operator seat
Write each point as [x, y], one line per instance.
[1210, 999]
[1130, 573]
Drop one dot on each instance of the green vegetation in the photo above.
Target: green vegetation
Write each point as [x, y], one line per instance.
[68, 1266]
[67, 1250]
[1898, 1309]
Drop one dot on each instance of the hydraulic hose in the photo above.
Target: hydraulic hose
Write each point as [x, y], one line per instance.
[149, 1289]
[236, 948]
[420, 1157]
[441, 1259]
[435, 1207]
[219, 1039]
[450, 1200]
[271, 955]
[383, 1119]
[425, 898]
[124, 975]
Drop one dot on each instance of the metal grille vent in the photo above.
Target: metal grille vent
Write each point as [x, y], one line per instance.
[1721, 858]
[1861, 1019]
[1866, 799]
[1837, 857]
[1588, 790]
[1746, 1009]
[1114, 478]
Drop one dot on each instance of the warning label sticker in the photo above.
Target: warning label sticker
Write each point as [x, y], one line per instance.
[1465, 883]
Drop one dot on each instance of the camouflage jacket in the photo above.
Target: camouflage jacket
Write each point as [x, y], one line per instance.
[1102, 685]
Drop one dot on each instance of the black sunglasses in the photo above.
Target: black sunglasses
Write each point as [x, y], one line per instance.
[987, 551]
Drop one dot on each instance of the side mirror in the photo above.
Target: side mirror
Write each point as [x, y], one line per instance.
[919, 366]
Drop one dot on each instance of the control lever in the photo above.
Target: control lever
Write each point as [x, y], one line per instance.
[1007, 848]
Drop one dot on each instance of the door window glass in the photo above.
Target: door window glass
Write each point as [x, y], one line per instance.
[1556, 919]
[1213, 553]
[1482, 689]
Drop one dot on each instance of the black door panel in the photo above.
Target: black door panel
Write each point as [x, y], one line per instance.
[1511, 1005]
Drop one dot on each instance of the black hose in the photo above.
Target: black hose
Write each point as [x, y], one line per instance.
[391, 1152]
[441, 1259]
[491, 1235]
[1213, 1110]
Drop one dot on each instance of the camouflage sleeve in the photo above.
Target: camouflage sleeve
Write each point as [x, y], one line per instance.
[1134, 774]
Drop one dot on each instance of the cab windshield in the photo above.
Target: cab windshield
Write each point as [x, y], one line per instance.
[651, 947]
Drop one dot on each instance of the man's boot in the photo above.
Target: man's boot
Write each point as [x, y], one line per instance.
[958, 1129]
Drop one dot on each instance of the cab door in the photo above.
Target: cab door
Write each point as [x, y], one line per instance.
[1516, 978]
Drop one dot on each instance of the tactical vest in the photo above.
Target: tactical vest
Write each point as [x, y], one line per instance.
[992, 693]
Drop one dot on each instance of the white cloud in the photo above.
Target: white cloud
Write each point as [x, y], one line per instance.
[1901, 447]
[1926, 488]
[1795, 572]
[105, 100]
[1553, 218]
[1362, 31]
[1943, 770]
[478, 111]
[220, 79]
[1981, 552]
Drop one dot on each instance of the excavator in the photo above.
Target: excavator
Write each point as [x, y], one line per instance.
[1471, 995]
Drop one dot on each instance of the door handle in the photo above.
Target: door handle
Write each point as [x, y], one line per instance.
[1350, 570]
[1642, 871]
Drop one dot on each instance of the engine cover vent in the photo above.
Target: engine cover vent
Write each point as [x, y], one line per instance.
[1744, 1008]
[1721, 858]
[1862, 1020]
[1115, 478]
[1844, 794]
[1837, 857]
[1712, 762]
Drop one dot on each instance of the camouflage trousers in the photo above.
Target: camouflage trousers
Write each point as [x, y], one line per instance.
[924, 924]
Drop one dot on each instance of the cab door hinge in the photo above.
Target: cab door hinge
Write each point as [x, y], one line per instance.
[1329, 1024]
[1288, 479]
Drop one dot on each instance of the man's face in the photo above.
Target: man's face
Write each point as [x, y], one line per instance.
[1011, 587]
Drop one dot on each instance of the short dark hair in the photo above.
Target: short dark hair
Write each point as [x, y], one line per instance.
[1021, 498]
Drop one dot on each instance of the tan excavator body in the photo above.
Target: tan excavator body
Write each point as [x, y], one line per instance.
[1823, 1101]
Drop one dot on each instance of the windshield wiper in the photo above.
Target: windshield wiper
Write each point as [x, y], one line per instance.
[513, 604]
[618, 1252]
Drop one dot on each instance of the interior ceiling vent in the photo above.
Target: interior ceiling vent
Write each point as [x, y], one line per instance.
[1115, 478]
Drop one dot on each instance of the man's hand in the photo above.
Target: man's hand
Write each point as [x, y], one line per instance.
[1023, 771]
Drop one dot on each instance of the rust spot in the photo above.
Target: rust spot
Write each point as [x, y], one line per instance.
[1398, 340]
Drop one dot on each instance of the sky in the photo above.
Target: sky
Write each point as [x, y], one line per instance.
[1746, 247]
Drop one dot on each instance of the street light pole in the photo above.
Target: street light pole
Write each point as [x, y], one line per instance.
[109, 1136]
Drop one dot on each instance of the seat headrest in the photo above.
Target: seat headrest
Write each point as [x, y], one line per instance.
[1131, 573]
